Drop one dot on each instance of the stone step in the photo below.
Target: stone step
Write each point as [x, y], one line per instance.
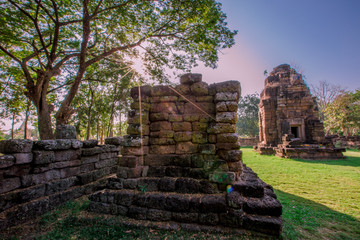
[177, 171]
[169, 201]
[180, 202]
[262, 214]
[167, 184]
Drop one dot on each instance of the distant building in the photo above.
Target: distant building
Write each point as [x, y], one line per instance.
[288, 119]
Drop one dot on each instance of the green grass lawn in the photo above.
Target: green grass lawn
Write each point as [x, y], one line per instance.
[321, 200]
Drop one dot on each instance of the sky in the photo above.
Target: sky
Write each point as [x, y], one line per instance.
[319, 38]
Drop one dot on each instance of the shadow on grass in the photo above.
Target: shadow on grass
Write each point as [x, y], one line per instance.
[352, 161]
[306, 219]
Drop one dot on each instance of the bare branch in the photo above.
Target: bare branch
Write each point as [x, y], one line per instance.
[22, 10]
[66, 58]
[45, 10]
[9, 54]
[61, 86]
[113, 50]
[70, 22]
[56, 35]
[35, 23]
[97, 7]
[7, 83]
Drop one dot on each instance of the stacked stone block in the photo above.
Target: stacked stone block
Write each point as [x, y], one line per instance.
[36, 177]
[287, 108]
[188, 154]
[345, 141]
[252, 141]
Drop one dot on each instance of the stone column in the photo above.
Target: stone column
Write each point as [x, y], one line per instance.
[135, 144]
[227, 141]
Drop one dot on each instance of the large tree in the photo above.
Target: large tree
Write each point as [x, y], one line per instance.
[325, 93]
[342, 115]
[52, 43]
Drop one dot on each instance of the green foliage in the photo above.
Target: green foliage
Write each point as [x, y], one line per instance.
[142, 188]
[342, 115]
[325, 93]
[102, 97]
[49, 46]
[248, 119]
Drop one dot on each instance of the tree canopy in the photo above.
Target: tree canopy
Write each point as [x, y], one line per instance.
[342, 115]
[51, 44]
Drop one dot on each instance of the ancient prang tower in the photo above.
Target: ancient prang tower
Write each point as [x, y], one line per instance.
[289, 125]
[181, 165]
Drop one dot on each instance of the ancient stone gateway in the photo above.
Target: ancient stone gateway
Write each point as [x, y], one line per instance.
[181, 165]
[288, 119]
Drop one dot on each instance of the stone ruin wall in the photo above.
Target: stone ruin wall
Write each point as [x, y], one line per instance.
[288, 119]
[286, 101]
[181, 168]
[36, 177]
[345, 141]
[251, 141]
[192, 121]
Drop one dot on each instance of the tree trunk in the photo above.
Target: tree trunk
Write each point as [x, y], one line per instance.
[102, 136]
[89, 113]
[65, 111]
[26, 119]
[88, 128]
[44, 121]
[12, 126]
[97, 130]
[120, 133]
[111, 120]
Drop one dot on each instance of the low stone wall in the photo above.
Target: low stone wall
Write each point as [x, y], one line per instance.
[181, 162]
[345, 141]
[36, 177]
[253, 141]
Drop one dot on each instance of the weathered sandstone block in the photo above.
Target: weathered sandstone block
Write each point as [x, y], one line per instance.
[183, 136]
[65, 132]
[162, 149]
[226, 117]
[16, 146]
[186, 147]
[181, 126]
[226, 96]
[190, 78]
[221, 128]
[199, 89]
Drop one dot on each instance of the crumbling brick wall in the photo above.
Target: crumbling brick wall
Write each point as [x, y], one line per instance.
[192, 120]
[36, 177]
[181, 162]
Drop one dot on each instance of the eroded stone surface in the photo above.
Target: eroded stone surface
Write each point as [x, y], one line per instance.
[288, 119]
[189, 169]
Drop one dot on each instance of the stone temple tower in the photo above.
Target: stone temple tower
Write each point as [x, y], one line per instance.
[288, 119]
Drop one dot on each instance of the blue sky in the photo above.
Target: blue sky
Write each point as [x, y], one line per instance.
[320, 38]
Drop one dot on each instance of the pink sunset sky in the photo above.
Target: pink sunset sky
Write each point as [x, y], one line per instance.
[318, 38]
